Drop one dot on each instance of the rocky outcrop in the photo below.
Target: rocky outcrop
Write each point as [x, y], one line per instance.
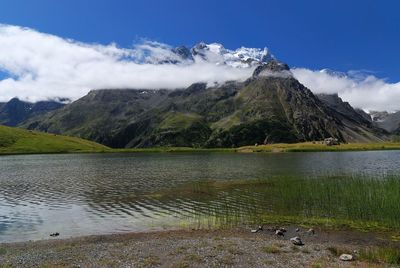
[272, 67]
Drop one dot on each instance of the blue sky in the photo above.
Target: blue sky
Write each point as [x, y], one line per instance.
[41, 62]
[340, 35]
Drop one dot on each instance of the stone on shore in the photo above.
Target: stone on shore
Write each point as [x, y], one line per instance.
[296, 241]
[346, 257]
[279, 233]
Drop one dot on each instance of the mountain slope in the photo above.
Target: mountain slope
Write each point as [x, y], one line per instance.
[15, 140]
[269, 107]
[98, 115]
[390, 122]
[358, 124]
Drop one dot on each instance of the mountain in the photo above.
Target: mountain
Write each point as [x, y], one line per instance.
[344, 109]
[211, 53]
[388, 121]
[271, 106]
[378, 116]
[98, 115]
[239, 58]
[364, 114]
[357, 122]
[16, 111]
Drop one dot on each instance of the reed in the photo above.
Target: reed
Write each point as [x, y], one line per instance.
[359, 201]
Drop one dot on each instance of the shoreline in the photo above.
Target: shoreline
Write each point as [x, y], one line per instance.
[271, 148]
[237, 247]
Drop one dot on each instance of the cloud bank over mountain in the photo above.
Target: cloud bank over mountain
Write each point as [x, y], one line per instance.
[37, 66]
[361, 90]
[40, 66]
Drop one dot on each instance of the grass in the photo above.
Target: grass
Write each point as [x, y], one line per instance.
[272, 148]
[20, 141]
[173, 150]
[193, 258]
[337, 251]
[271, 249]
[381, 255]
[317, 147]
[344, 202]
[371, 202]
[151, 261]
[175, 120]
[389, 255]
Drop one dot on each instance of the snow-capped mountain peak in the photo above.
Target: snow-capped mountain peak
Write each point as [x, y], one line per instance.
[216, 53]
[240, 58]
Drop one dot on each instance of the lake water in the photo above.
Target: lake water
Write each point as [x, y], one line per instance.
[84, 194]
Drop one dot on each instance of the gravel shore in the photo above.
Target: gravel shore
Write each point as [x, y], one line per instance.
[193, 248]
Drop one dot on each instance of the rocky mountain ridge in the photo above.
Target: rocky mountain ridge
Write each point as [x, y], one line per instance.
[269, 107]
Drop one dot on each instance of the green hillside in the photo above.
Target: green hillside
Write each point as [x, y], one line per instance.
[15, 140]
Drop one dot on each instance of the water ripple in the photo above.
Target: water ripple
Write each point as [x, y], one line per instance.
[87, 193]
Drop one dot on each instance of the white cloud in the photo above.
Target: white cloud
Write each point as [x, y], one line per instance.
[360, 90]
[43, 66]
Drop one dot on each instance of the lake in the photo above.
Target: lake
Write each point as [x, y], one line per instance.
[84, 194]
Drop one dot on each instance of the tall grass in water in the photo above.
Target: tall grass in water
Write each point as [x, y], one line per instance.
[356, 201]
[355, 198]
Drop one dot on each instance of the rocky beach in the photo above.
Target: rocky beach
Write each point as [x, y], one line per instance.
[207, 248]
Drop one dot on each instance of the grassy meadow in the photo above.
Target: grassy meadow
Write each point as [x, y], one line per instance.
[276, 148]
[21, 141]
[318, 147]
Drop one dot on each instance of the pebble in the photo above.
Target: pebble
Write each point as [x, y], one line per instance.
[260, 228]
[311, 231]
[346, 257]
[279, 233]
[296, 241]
